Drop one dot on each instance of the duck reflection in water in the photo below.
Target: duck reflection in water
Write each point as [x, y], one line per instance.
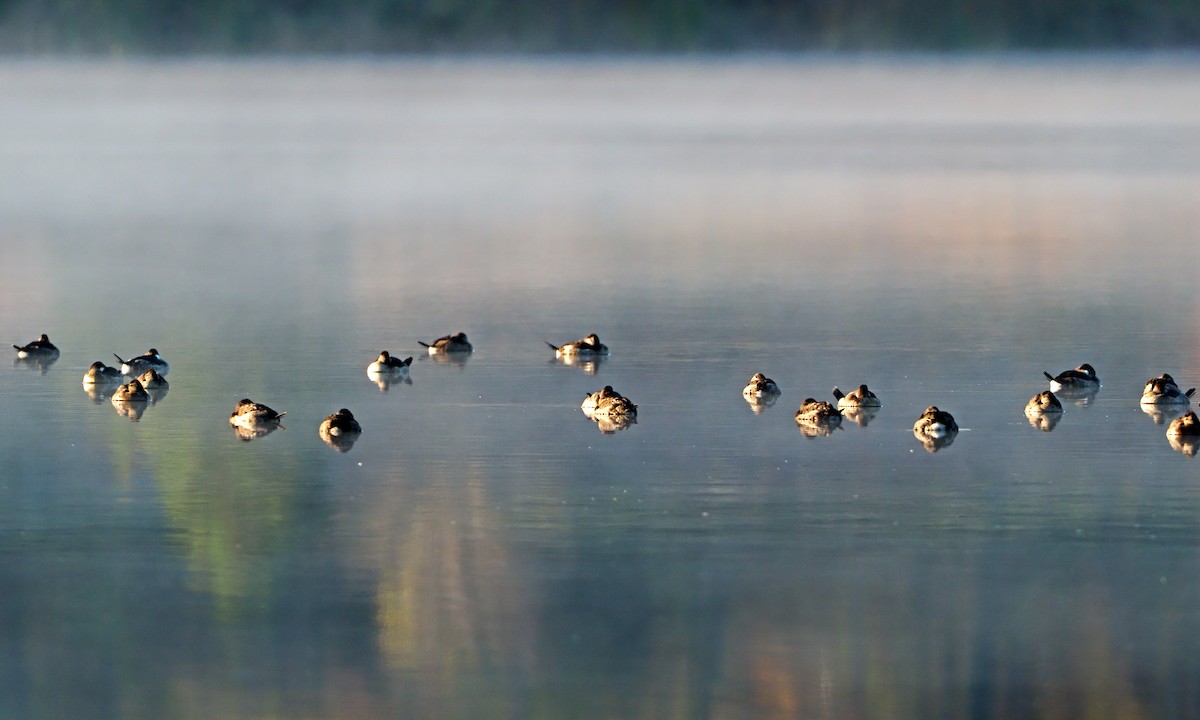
[385, 381]
[100, 380]
[250, 415]
[246, 434]
[935, 429]
[35, 362]
[156, 385]
[1162, 399]
[340, 430]
[1184, 434]
[131, 400]
[454, 359]
[38, 355]
[610, 425]
[1043, 411]
[817, 418]
[761, 392]
[1080, 385]
[589, 346]
[861, 416]
[609, 409]
[588, 364]
[387, 371]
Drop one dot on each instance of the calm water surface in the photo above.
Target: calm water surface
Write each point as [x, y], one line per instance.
[944, 231]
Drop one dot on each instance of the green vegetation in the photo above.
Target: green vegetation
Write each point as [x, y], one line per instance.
[535, 26]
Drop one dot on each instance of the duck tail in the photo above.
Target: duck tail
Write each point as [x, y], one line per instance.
[1048, 375]
[1190, 392]
[17, 347]
[837, 393]
[552, 347]
[406, 361]
[281, 414]
[118, 357]
[424, 344]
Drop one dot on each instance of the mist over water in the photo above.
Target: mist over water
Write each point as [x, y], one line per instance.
[943, 230]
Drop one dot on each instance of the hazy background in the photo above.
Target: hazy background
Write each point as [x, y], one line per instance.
[943, 226]
[452, 26]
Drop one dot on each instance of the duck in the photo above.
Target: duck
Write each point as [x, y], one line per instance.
[862, 397]
[101, 374]
[1184, 426]
[608, 403]
[131, 392]
[385, 364]
[456, 343]
[1081, 379]
[137, 365]
[761, 386]
[41, 349]
[249, 414]
[935, 423]
[818, 411]
[1043, 402]
[1163, 390]
[588, 346]
[152, 380]
[341, 422]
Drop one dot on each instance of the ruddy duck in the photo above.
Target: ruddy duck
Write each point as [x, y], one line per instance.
[152, 380]
[935, 423]
[588, 346]
[1080, 379]
[761, 386]
[1185, 426]
[608, 403]
[101, 374]
[131, 392]
[41, 349]
[341, 423]
[249, 414]
[862, 397]
[151, 360]
[386, 364]
[456, 343]
[1162, 390]
[818, 411]
[1043, 402]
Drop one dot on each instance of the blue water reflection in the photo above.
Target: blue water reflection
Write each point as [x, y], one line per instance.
[485, 549]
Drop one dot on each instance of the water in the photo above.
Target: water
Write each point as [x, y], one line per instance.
[942, 230]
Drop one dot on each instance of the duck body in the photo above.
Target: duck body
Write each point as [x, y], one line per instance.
[456, 343]
[818, 411]
[761, 386]
[1043, 402]
[101, 374]
[862, 397]
[1081, 379]
[152, 380]
[1184, 426]
[589, 346]
[608, 403]
[150, 360]
[1163, 390]
[41, 349]
[131, 392]
[935, 423]
[386, 364]
[249, 414]
[340, 423]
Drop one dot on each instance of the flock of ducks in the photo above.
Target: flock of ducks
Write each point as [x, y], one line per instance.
[142, 380]
[936, 428]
